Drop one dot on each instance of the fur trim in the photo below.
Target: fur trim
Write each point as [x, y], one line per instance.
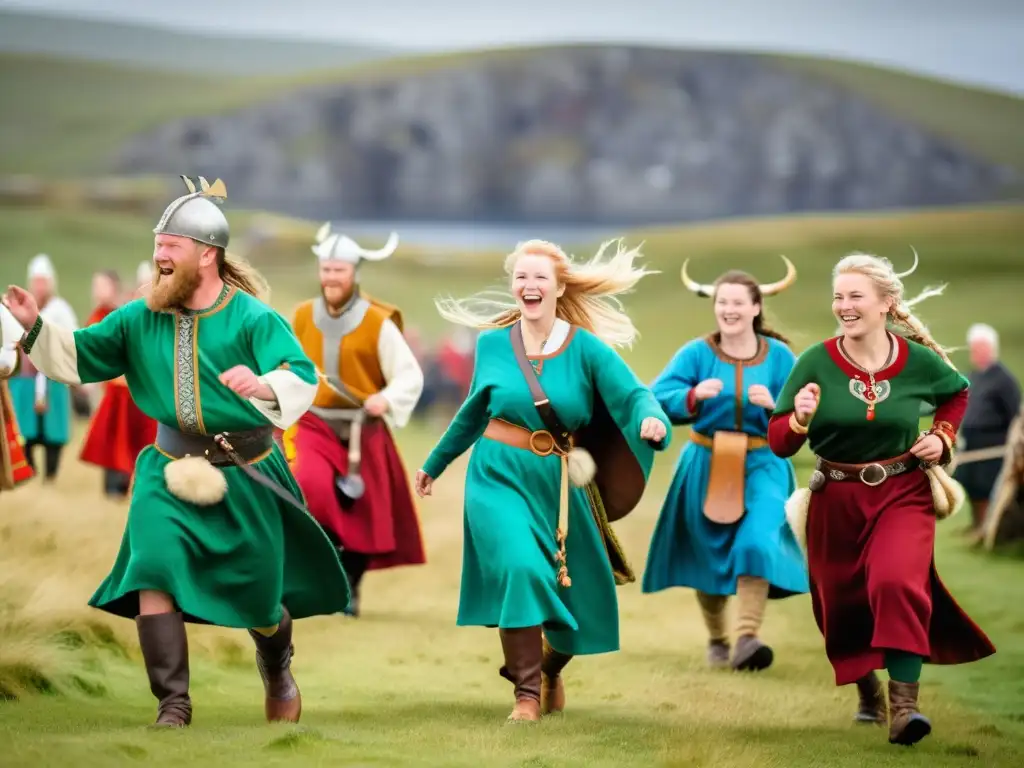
[582, 467]
[796, 515]
[195, 480]
[947, 494]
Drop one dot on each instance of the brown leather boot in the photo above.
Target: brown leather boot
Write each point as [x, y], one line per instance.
[872, 708]
[523, 655]
[907, 726]
[274, 660]
[164, 646]
[552, 688]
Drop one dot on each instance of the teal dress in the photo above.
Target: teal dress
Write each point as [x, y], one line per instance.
[512, 496]
[689, 550]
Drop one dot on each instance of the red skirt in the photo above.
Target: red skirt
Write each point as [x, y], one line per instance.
[118, 432]
[874, 586]
[383, 523]
[15, 469]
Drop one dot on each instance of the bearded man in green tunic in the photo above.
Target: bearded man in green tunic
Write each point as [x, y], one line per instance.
[217, 532]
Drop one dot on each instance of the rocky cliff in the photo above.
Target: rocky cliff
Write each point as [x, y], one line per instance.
[590, 133]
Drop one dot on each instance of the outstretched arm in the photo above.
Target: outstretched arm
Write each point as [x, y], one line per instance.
[401, 371]
[284, 369]
[96, 353]
[674, 386]
[467, 426]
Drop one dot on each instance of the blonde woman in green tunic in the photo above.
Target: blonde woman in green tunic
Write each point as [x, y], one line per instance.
[550, 399]
[216, 531]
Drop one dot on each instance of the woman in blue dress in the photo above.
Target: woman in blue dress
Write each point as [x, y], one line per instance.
[722, 530]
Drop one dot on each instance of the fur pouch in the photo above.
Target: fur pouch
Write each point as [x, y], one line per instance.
[948, 495]
[797, 506]
[195, 480]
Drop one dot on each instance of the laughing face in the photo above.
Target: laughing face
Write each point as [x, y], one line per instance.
[337, 279]
[535, 286]
[858, 305]
[735, 309]
[176, 261]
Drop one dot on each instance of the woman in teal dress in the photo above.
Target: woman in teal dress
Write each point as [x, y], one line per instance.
[540, 561]
[716, 535]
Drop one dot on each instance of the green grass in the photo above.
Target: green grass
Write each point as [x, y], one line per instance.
[403, 685]
[64, 117]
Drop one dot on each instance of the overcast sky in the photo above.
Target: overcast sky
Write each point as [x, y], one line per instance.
[975, 41]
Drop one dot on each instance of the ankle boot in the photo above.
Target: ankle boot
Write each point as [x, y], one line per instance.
[907, 726]
[872, 708]
[523, 655]
[282, 700]
[165, 650]
[552, 688]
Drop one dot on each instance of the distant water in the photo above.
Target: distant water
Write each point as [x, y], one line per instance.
[472, 235]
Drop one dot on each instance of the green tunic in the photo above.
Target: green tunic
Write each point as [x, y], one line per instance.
[840, 430]
[236, 562]
[509, 573]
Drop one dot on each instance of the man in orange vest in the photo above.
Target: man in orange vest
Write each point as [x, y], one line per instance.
[342, 451]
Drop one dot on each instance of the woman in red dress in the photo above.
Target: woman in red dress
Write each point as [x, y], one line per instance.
[119, 429]
[868, 517]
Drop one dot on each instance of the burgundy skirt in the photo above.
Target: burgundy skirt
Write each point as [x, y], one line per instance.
[874, 586]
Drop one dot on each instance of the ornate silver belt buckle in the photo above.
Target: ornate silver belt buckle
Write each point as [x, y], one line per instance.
[817, 481]
[872, 475]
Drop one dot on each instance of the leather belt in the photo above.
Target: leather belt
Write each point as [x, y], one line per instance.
[248, 445]
[753, 441]
[871, 474]
[540, 442]
[226, 449]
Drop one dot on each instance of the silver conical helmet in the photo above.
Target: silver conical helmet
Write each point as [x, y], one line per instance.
[197, 215]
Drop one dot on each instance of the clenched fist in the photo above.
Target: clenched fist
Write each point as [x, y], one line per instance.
[652, 429]
[424, 483]
[707, 389]
[758, 394]
[806, 403]
[244, 383]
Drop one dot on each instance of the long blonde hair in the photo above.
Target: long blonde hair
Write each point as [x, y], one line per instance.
[239, 273]
[889, 283]
[590, 299]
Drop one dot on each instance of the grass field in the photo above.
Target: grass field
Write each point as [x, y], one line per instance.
[64, 117]
[403, 685]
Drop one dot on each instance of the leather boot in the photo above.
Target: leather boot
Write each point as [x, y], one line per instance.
[552, 688]
[274, 660]
[872, 708]
[164, 646]
[907, 726]
[523, 655]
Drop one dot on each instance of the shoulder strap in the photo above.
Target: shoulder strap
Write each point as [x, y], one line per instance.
[540, 400]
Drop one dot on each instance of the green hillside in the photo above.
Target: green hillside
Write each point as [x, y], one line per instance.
[66, 117]
[150, 47]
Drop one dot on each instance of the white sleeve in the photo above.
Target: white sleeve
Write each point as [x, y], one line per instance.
[10, 334]
[55, 355]
[402, 373]
[293, 398]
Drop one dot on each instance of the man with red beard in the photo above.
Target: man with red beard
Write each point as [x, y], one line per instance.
[216, 532]
[119, 430]
[343, 446]
[14, 467]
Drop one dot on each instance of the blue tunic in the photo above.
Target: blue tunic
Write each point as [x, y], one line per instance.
[689, 550]
[53, 426]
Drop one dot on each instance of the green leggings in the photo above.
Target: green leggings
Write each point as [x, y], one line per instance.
[903, 667]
